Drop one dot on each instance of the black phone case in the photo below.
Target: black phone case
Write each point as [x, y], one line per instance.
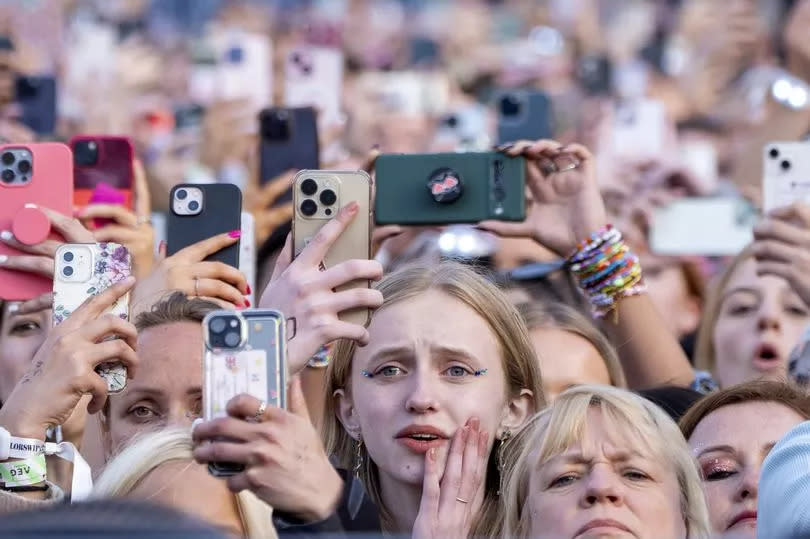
[221, 212]
[36, 97]
[532, 123]
[295, 149]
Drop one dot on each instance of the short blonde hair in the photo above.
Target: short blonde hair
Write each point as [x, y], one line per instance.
[517, 354]
[563, 424]
[558, 315]
[149, 451]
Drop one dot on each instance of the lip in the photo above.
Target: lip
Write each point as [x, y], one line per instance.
[776, 361]
[744, 517]
[599, 523]
[421, 446]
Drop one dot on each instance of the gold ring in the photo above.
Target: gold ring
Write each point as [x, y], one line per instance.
[461, 500]
[196, 287]
[260, 412]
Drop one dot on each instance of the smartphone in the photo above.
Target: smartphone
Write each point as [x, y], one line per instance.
[243, 352]
[706, 226]
[102, 170]
[40, 174]
[786, 174]
[247, 253]
[288, 139]
[83, 270]
[464, 128]
[318, 195]
[200, 211]
[189, 118]
[244, 67]
[406, 93]
[36, 97]
[313, 77]
[448, 188]
[640, 129]
[523, 115]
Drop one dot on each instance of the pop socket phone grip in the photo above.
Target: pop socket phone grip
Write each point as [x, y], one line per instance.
[31, 226]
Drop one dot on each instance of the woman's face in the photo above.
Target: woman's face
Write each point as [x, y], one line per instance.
[669, 291]
[435, 364]
[760, 320]
[604, 486]
[730, 445]
[567, 360]
[167, 389]
[189, 488]
[20, 338]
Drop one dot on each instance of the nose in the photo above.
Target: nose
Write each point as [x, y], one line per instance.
[747, 489]
[422, 393]
[602, 486]
[180, 416]
[769, 317]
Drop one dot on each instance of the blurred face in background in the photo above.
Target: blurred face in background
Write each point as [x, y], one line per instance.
[20, 338]
[668, 288]
[567, 360]
[7, 75]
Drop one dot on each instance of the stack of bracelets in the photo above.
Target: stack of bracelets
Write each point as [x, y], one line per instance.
[606, 270]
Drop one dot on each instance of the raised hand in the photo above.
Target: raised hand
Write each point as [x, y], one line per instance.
[782, 247]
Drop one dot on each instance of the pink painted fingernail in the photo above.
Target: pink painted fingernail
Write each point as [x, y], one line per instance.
[352, 207]
[247, 302]
[235, 233]
[248, 289]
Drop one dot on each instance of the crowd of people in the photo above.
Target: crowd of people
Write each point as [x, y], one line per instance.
[591, 370]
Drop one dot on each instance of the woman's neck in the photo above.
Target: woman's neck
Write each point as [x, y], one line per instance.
[402, 503]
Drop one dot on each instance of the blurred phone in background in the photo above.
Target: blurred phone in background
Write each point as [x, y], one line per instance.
[202, 82]
[36, 98]
[407, 93]
[640, 129]
[244, 67]
[288, 140]
[313, 77]
[464, 129]
[523, 115]
[102, 171]
[189, 118]
[595, 75]
[786, 174]
[710, 226]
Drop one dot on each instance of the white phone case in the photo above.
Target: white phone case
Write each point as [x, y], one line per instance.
[247, 253]
[786, 174]
[313, 77]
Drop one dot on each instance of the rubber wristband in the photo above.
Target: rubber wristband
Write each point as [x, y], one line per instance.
[21, 473]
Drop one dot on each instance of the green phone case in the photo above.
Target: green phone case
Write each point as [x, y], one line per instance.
[445, 188]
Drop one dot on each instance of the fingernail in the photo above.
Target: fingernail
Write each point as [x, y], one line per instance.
[465, 433]
[6, 235]
[3, 259]
[247, 302]
[235, 233]
[30, 205]
[13, 308]
[248, 289]
[432, 453]
[129, 280]
[352, 207]
[162, 245]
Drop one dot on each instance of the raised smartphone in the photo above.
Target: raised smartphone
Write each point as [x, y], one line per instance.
[83, 270]
[200, 211]
[247, 253]
[786, 174]
[39, 174]
[523, 115]
[318, 195]
[313, 77]
[243, 352]
[244, 68]
[36, 97]
[447, 188]
[288, 140]
[102, 170]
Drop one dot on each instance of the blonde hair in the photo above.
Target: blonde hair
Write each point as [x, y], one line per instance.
[558, 315]
[705, 354]
[149, 451]
[563, 424]
[517, 354]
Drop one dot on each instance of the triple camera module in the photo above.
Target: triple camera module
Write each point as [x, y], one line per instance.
[225, 331]
[17, 166]
[326, 195]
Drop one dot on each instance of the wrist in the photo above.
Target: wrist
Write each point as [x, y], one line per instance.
[19, 427]
[325, 505]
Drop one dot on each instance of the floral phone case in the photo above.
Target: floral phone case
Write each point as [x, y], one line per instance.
[84, 270]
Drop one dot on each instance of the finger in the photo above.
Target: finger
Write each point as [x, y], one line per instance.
[355, 298]
[39, 265]
[314, 253]
[71, 229]
[232, 428]
[774, 229]
[46, 248]
[343, 330]
[383, 233]
[798, 211]
[470, 462]
[777, 269]
[221, 272]
[116, 212]
[296, 403]
[451, 481]
[504, 229]
[238, 483]
[110, 325]
[514, 148]
[221, 451]
[143, 201]
[275, 188]
[283, 260]
[205, 248]
[93, 307]
[579, 151]
[542, 148]
[214, 288]
[246, 406]
[431, 490]
[370, 163]
[115, 350]
[41, 303]
[117, 234]
[349, 271]
[776, 251]
[97, 387]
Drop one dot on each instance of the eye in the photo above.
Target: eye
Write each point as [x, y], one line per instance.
[636, 475]
[740, 309]
[24, 327]
[389, 371]
[457, 371]
[796, 310]
[563, 480]
[142, 413]
[717, 471]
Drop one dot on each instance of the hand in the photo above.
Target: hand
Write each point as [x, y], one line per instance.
[450, 501]
[301, 290]
[565, 207]
[795, 36]
[285, 463]
[40, 257]
[188, 272]
[782, 247]
[130, 229]
[259, 200]
[63, 369]
[226, 132]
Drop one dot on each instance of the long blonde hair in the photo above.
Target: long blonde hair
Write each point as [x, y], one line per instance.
[149, 451]
[563, 424]
[517, 354]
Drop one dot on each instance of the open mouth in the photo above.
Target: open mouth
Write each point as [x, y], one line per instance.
[767, 357]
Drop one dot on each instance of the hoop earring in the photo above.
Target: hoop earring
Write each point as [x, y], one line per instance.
[358, 457]
[499, 458]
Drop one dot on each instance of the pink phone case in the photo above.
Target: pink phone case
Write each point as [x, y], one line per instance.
[51, 186]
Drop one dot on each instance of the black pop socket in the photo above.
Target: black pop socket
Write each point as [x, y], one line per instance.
[445, 186]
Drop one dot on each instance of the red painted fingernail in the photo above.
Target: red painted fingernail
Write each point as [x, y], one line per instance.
[235, 233]
[247, 302]
[248, 289]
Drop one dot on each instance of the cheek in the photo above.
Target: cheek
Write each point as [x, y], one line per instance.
[15, 358]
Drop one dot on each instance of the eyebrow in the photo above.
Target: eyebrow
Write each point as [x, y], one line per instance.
[717, 449]
[155, 392]
[576, 457]
[407, 351]
[745, 289]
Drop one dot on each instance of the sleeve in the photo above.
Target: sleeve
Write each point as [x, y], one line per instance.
[11, 503]
[784, 487]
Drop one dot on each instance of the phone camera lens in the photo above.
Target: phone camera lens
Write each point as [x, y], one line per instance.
[182, 194]
[8, 158]
[217, 325]
[785, 165]
[232, 339]
[194, 205]
[309, 187]
[328, 197]
[774, 153]
[68, 257]
[308, 208]
[24, 166]
[67, 271]
[451, 121]
[510, 106]
[8, 175]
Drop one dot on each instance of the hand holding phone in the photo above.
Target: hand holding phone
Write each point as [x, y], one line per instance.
[786, 174]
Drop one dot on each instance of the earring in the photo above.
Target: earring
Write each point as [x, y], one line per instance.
[504, 437]
[358, 457]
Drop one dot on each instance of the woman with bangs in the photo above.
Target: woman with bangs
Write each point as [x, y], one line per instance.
[601, 461]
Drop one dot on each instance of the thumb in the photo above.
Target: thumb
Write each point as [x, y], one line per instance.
[283, 260]
[162, 250]
[296, 403]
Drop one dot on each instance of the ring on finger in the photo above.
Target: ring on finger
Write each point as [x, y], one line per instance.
[142, 220]
[461, 500]
[259, 415]
[196, 287]
[549, 167]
